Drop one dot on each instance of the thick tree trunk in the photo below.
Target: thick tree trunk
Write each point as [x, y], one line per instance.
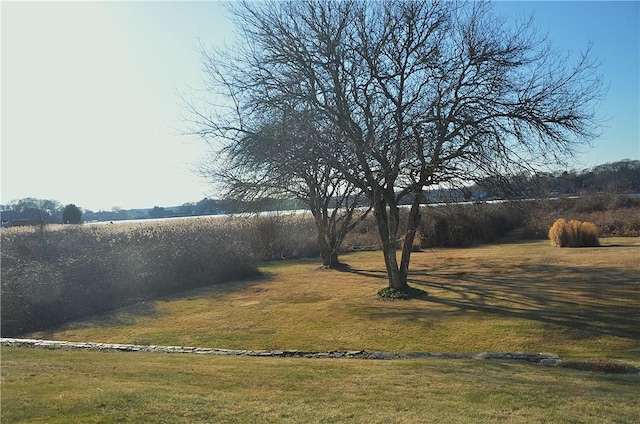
[328, 239]
[325, 249]
[328, 252]
[388, 220]
[333, 260]
[332, 225]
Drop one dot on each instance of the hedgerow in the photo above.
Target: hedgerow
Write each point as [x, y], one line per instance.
[53, 274]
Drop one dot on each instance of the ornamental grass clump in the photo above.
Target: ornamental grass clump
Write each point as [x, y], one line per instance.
[573, 234]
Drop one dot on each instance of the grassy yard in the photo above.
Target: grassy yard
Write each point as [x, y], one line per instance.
[94, 387]
[525, 296]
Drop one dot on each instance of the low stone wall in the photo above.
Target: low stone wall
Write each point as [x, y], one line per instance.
[533, 358]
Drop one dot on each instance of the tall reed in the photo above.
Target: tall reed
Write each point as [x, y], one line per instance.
[53, 274]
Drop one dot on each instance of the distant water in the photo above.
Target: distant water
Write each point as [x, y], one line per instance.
[222, 215]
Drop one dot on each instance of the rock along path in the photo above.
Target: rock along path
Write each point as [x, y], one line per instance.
[533, 358]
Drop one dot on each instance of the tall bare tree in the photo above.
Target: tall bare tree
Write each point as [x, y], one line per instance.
[413, 94]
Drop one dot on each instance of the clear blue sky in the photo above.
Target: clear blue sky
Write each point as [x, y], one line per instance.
[91, 115]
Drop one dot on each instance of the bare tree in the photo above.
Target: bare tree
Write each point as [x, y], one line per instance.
[270, 149]
[280, 159]
[413, 94]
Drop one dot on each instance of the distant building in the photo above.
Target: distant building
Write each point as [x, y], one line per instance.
[22, 223]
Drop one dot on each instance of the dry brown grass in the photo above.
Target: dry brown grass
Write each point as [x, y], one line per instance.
[523, 296]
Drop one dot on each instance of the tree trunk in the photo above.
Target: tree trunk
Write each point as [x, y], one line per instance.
[413, 224]
[333, 260]
[328, 239]
[328, 252]
[388, 221]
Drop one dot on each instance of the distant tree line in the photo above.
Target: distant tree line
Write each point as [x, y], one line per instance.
[32, 210]
[39, 211]
[617, 177]
[620, 177]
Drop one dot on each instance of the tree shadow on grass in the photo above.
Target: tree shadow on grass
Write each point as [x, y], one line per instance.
[590, 299]
[369, 273]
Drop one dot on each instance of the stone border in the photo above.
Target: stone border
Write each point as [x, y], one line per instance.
[533, 358]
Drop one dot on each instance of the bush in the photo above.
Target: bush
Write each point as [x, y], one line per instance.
[465, 225]
[57, 273]
[279, 236]
[388, 293]
[573, 234]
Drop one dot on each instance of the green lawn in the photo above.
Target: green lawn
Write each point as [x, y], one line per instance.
[579, 303]
[97, 387]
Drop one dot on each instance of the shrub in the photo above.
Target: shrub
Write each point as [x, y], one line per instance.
[573, 234]
[448, 226]
[466, 224]
[417, 242]
[282, 236]
[389, 293]
[57, 273]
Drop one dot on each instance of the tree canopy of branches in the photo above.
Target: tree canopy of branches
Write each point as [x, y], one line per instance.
[407, 95]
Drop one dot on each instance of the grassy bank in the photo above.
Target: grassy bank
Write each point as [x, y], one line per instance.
[91, 387]
[524, 296]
